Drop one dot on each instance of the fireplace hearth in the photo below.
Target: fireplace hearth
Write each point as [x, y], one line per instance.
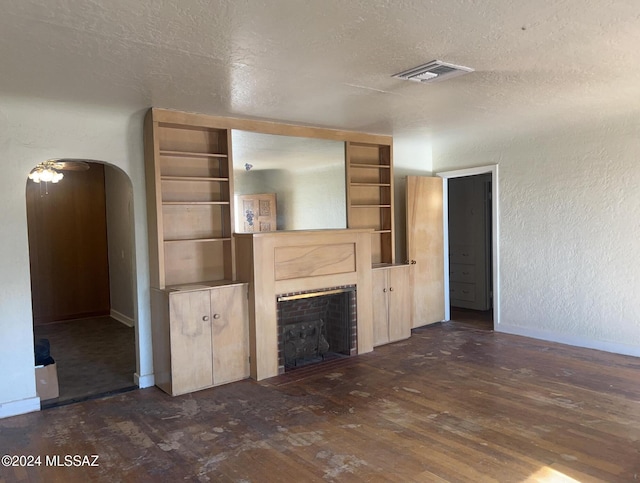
[316, 326]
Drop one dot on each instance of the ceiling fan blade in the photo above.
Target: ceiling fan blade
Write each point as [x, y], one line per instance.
[72, 165]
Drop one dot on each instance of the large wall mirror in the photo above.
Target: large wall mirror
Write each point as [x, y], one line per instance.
[306, 175]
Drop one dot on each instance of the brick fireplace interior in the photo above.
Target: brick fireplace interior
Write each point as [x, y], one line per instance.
[316, 326]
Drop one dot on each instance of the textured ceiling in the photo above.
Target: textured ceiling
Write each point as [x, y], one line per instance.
[329, 62]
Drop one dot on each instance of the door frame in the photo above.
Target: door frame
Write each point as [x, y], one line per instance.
[495, 231]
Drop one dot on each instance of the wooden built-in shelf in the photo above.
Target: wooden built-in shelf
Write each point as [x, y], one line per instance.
[370, 206]
[197, 240]
[370, 195]
[193, 178]
[369, 185]
[370, 166]
[195, 202]
[189, 154]
[190, 189]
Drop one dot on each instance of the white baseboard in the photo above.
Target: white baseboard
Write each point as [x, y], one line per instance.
[128, 321]
[23, 406]
[627, 350]
[143, 381]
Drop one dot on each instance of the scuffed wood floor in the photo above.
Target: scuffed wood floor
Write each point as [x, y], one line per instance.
[453, 403]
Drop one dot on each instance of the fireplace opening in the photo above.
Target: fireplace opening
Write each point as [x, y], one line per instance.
[316, 326]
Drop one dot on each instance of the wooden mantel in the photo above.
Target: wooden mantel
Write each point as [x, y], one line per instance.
[294, 261]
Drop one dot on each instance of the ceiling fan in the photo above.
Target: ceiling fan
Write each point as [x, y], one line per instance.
[49, 171]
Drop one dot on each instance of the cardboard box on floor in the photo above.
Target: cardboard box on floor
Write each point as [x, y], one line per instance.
[47, 382]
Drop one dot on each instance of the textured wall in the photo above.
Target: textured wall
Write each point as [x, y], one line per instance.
[569, 230]
[119, 198]
[31, 131]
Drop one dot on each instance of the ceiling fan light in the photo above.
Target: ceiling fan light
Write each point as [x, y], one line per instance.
[47, 175]
[34, 176]
[57, 177]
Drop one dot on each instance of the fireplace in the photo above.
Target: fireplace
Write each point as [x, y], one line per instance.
[316, 326]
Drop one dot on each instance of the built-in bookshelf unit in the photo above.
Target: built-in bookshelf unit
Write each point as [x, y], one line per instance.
[370, 196]
[190, 191]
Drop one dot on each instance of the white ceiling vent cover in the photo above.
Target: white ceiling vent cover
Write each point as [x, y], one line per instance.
[434, 71]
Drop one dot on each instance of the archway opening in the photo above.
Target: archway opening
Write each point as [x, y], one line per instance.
[81, 258]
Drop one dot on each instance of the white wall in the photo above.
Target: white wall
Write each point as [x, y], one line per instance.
[31, 131]
[119, 208]
[412, 156]
[569, 230]
[318, 199]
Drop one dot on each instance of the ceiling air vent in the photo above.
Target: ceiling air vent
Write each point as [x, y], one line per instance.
[434, 71]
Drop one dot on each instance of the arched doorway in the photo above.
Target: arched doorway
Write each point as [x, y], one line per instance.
[81, 258]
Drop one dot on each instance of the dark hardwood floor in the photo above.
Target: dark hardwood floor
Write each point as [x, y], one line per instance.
[94, 356]
[452, 403]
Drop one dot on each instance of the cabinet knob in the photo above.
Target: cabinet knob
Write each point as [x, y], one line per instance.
[205, 318]
[216, 316]
[391, 289]
[413, 262]
[384, 289]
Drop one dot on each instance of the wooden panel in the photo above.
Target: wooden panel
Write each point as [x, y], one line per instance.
[200, 190]
[266, 127]
[191, 349]
[174, 137]
[68, 246]
[309, 261]
[365, 154]
[368, 174]
[399, 303]
[366, 217]
[380, 307]
[425, 247]
[230, 333]
[189, 222]
[370, 195]
[160, 332]
[188, 262]
[193, 167]
[154, 203]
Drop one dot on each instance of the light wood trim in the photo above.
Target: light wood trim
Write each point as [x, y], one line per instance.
[265, 127]
[190, 154]
[154, 203]
[161, 341]
[230, 249]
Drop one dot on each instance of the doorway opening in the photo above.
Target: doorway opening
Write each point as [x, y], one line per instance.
[82, 282]
[470, 202]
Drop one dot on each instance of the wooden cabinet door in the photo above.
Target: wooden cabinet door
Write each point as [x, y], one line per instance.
[380, 307]
[425, 248]
[190, 335]
[399, 303]
[230, 333]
